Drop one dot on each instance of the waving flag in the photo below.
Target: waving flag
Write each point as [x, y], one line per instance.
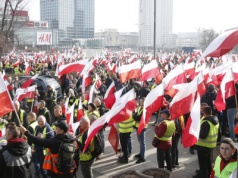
[113, 137]
[150, 70]
[5, 101]
[28, 68]
[70, 115]
[112, 98]
[111, 89]
[152, 103]
[127, 72]
[28, 82]
[192, 128]
[72, 67]
[221, 44]
[227, 89]
[183, 101]
[80, 110]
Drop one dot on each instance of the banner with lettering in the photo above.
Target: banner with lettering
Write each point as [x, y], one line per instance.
[44, 38]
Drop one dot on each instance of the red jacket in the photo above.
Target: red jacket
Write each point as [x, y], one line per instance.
[160, 131]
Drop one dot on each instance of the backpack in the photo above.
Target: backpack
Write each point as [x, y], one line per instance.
[65, 162]
[98, 146]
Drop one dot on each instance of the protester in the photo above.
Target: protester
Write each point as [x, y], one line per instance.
[15, 157]
[226, 163]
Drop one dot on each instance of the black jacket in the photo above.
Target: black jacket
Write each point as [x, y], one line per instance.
[205, 128]
[15, 159]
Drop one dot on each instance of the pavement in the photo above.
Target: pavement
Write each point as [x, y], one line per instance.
[108, 166]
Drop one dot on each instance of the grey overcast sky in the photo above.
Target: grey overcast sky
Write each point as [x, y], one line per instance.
[188, 16]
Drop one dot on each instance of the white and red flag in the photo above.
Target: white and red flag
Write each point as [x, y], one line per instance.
[93, 130]
[112, 98]
[5, 101]
[127, 72]
[80, 110]
[201, 84]
[86, 81]
[111, 68]
[28, 92]
[72, 67]
[111, 89]
[150, 70]
[70, 115]
[91, 92]
[221, 44]
[28, 68]
[122, 110]
[9, 86]
[189, 68]
[152, 103]
[183, 101]
[227, 89]
[113, 137]
[28, 82]
[176, 76]
[191, 132]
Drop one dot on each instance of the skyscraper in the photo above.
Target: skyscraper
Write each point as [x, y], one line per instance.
[164, 22]
[73, 18]
[84, 18]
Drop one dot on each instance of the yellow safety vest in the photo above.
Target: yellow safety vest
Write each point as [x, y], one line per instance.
[21, 115]
[169, 132]
[211, 140]
[33, 126]
[44, 136]
[86, 156]
[126, 126]
[139, 111]
[227, 171]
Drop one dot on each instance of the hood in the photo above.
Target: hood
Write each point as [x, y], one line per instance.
[66, 138]
[212, 119]
[18, 148]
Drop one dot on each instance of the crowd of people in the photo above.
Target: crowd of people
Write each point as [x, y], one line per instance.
[35, 135]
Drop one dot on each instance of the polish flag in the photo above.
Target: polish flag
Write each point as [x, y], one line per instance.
[191, 132]
[174, 89]
[72, 67]
[127, 72]
[98, 82]
[189, 68]
[227, 89]
[91, 92]
[113, 137]
[150, 70]
[17, 63]
[86, 81]
[176, 76]
[111, 68]
[80, 110]
[9, 87]
[235, 71]
[152, 103]
[123, 110]
[111, 89]
[183, 101]
[132, 59]
[221, 44]
[5, 102]
[70, 115]
[94, 129]
[66, 104]
[28, 68]
[22, 93]
[201, 84]
[112, 98]
[28, 82]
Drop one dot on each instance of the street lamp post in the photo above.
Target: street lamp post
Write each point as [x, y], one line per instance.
[154, 27]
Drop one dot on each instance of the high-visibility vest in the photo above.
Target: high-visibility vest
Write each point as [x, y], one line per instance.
[21, 115]
[33, 126]
[126, 126]
[95, 112]
[139, 111]
[44, 136]
[211, 140]
[227, 171]
[29, 100]
[86, 156]
[169, 132]
[3, 124]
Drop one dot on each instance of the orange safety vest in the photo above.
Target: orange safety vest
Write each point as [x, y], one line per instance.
[51, 160]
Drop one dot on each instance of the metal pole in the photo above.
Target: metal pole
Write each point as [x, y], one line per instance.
[154, 27]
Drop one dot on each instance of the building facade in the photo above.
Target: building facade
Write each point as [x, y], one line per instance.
[164, 23]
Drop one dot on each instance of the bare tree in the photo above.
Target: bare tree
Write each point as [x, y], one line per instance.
[208, 35]
[9, 22]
